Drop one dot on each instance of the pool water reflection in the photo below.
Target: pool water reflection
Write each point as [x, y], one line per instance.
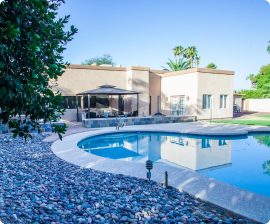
[241, 162]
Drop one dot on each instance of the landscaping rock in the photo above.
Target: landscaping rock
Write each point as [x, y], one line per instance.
[38, 187]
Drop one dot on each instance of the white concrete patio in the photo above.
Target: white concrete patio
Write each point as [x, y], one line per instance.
[253, 206]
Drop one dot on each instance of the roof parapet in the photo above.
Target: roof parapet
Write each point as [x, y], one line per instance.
[201, 70]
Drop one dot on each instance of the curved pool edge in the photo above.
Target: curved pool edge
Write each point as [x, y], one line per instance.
[253, 206]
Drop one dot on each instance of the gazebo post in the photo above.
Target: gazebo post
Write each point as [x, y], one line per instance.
[138, 104]
[77, 108]
[119, 107]
[88, 106]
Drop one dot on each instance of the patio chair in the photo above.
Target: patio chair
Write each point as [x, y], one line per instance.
[236, 109]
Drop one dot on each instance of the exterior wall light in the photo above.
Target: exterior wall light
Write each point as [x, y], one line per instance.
[187, 98]
[149, 166]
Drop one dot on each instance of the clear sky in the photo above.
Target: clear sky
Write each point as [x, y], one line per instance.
[233, 34]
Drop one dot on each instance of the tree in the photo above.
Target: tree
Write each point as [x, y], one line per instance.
[268, 48]
[253, 80]
[212, 66]
[197, 60]
[105, 59]
[32, 42]
[177, 51]
[178, 65]
[260, 84]
[266, 167]
[190, 53]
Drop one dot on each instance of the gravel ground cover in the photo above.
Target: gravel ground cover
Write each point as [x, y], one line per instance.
[38, 187]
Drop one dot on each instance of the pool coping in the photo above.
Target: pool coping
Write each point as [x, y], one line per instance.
[247, 204]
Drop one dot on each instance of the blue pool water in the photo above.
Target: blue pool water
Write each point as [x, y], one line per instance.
[243, 162]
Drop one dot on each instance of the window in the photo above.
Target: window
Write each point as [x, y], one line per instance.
[206, 143]
[223, 101]
[222, 142]
[234, 100]
[207, 101]
[70, 102]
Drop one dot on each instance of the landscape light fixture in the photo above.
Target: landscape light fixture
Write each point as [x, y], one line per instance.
[166, 179]
[149, 166]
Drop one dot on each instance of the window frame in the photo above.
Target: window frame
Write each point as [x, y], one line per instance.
[208, 101]
[224, 99]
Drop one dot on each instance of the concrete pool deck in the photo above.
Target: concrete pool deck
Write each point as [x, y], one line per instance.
[251, 205]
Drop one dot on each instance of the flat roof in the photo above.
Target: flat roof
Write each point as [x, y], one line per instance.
[162, 73]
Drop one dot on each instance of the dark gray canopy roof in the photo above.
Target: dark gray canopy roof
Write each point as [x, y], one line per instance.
[108, 90]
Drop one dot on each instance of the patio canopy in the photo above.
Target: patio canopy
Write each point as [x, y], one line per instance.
[107, 90]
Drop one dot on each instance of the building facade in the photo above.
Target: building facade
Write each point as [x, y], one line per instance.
[205, 93]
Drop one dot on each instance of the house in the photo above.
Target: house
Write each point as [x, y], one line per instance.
[205, 93]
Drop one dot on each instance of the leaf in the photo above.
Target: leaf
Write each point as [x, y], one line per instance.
[36, 49]
[10, 94]
[50, 93]
[16, 31]
[17, 82]
[37, 3]
[29, 17]
[53, 66]
[2, 64]
[35, 36]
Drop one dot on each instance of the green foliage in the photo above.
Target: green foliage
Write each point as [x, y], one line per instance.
[178, 51]
[211, 65]
[250, 94]
[253, 80]
[32, 42]
[105, 59]
[266, 167]
[261, 82]
[263, 139]
[190, 53]
[178, 65]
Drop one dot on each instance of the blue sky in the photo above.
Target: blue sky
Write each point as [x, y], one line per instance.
[233, 34]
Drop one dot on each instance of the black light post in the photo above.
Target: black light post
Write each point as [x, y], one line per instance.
[149, 166]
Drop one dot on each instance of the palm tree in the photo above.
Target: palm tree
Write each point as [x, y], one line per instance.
[177, 51]
[252, 79]
[268, 48]
[197, 60]
[190, 53]
[211, 65]
[178, 65]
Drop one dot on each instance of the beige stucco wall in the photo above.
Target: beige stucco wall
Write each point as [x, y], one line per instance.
[154, 91]
[215, 85]
[193, 86]
[138, 80]
[180, 85]
[194, 157]
[79, 80]
[259, 105]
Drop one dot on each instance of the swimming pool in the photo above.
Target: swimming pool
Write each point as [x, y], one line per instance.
[243, 162]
